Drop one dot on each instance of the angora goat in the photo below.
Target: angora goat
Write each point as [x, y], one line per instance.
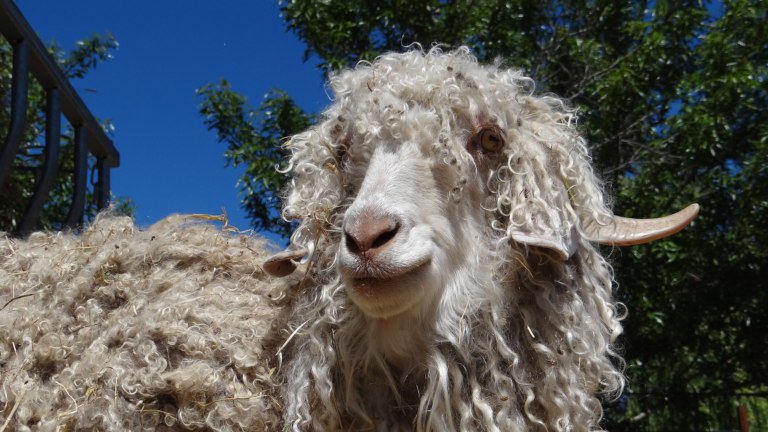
[448, 215]
[446, 280]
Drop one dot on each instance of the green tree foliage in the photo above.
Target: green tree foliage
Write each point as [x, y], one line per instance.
[18, 188]
[673, 96]
[253, 139]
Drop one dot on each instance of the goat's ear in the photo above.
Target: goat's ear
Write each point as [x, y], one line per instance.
[563, 246]
[541, 214]
[544, 223]
[283, 263]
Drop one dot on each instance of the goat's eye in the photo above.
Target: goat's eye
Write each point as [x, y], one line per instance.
[490, 139]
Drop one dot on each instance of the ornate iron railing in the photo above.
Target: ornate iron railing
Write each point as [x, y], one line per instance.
[30, 56]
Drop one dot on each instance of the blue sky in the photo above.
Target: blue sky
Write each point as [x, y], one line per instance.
[170, 162]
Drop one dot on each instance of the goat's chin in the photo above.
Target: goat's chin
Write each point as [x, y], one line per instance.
[387, 297]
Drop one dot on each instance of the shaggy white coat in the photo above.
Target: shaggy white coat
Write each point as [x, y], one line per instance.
[486, 309]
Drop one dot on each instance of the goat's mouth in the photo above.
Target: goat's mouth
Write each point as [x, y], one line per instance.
[365, 269]
[382, 294]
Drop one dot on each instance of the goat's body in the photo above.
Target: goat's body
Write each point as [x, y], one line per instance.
[123, 329]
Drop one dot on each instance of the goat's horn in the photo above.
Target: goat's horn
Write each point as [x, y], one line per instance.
[626, 231]
[282, 263]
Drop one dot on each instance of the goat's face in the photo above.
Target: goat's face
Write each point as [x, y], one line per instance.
[402, 233]
[418, 180]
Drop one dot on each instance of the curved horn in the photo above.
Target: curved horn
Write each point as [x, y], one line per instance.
[626, 231]
[282, 264]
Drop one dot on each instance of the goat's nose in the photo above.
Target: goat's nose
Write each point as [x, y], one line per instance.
[370, 232]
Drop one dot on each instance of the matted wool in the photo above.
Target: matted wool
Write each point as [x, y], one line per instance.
[126, 329]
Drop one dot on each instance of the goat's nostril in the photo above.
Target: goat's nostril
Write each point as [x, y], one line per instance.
[385, 237]
[351, 243]
[370, 233]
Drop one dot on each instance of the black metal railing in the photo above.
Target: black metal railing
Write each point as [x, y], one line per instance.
[30, 56]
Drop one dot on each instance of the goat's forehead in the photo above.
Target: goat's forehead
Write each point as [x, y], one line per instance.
[455, 90]
[437, 103]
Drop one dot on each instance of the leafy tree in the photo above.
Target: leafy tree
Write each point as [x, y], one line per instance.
[253, 138]
[18, 188]
[673, 97]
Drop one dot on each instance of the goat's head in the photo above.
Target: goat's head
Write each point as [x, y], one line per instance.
[427, 165]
